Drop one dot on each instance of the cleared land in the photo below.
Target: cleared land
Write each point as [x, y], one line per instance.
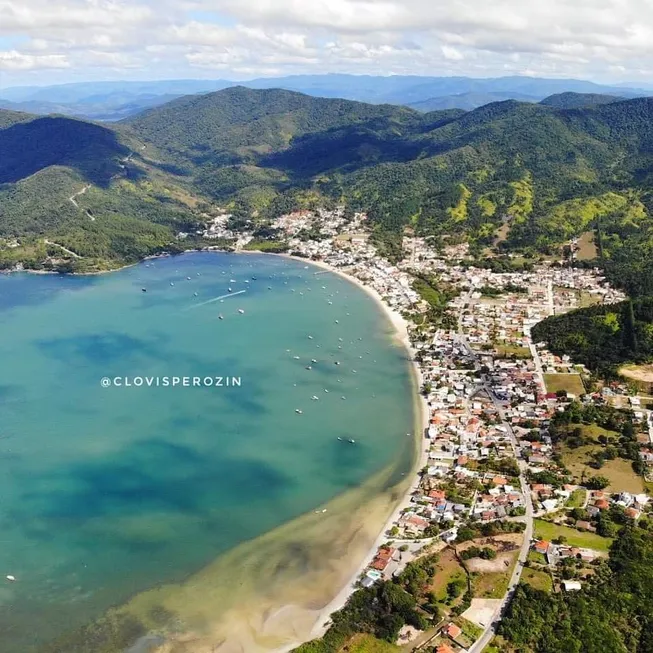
[571, 383]
[508, 351]
[448, 570]
[619, 472]
[587, 249]
[540, 580]
[642, 375]
[548, 531]
[481, 611]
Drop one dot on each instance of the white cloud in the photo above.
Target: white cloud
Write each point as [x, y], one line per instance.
[15, 61]
[602, 39]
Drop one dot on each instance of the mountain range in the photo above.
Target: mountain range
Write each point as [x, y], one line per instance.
[542, 172]
[111, 101]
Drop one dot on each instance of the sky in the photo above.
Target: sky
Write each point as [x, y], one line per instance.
[57, 41]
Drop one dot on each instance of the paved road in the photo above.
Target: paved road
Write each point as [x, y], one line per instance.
[490, 630]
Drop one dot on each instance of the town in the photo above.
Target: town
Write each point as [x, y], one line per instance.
[493, 469]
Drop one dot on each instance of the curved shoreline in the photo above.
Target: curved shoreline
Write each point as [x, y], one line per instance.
[283, 618]
[421, 424]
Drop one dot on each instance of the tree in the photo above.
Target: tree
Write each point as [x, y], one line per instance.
[597, 482]
[630, 334]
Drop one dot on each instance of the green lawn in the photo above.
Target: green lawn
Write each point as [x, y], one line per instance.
[571, 383]
[540, 580]
[577, 498]
[536, 556]
[548, 531]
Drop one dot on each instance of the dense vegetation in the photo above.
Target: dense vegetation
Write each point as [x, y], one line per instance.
[383, 609]
[613, 613]
[602, 337]
[544, 173]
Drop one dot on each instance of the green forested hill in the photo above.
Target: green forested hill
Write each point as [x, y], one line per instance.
[72, 184]
[548, 173]
[238, 125]
[570, 100]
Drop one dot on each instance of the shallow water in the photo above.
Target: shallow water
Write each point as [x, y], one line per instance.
[107, 492]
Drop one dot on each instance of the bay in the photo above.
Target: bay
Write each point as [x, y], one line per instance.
[108, 491]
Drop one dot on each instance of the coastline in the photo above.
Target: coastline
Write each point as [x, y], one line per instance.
[284, 618]
[400, 327]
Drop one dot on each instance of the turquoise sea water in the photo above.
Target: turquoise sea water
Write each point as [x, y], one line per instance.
[108, 491]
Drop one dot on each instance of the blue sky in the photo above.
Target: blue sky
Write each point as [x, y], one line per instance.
[46, 42]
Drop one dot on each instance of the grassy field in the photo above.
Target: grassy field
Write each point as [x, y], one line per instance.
[548, 531]
[540, 580]
[587, 249]
[577, 498]
[536, 556]
[571, 383]
[491, 585]
[618, 471]
[448, 569]
[508, 351]
[369, 644]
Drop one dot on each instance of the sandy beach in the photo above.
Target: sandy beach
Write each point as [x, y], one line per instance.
[422, 421]
[278, 590]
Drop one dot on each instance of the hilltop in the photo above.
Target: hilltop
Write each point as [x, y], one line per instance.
[570, 100]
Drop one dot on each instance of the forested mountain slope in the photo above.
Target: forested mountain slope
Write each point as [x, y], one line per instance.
[71, 184]
[548, 173]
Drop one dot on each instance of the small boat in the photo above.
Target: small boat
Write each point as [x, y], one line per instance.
[352, 441]
[330, 303]
[339, 438]
[337, 322]
[11, 578]
[337, 362]
[220, 317]
[188, 278]
[232, 281]
[229, 290]
[314, 398]
[246, 280]
[198, 274]
[325, 390]
[172, 284]
[343, 397]
[296, 358]
[194, 294]
[310, 337]
[269, 287]
[299, 412]
[313, 360]
[308, 367]
[144, 289]
[241, 311]
[353, 371]
[253, 278]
